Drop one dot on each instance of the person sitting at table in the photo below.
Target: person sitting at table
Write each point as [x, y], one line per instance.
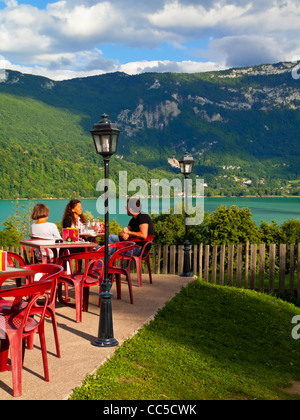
[140, 227]
[43, 229]
[73, 216]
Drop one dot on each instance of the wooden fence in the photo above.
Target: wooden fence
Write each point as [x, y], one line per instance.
[259, 267]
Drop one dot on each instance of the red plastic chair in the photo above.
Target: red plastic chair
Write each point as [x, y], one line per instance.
[117, 269]
[49, 272]
[33, 257]
[81, 277]
[17, 325]
[14, 260]
[140, 258]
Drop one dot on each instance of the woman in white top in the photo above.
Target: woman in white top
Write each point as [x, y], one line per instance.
[43, 229]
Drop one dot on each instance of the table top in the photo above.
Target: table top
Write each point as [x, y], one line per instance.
[12, 272]
[92, 234]
[49, 243]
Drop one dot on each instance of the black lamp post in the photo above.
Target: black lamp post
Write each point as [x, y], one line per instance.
[186, 167]
[105, 135]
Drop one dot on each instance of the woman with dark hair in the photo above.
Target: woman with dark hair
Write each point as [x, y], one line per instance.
[73, 217]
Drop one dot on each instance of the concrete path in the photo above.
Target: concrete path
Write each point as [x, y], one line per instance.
[79, 356]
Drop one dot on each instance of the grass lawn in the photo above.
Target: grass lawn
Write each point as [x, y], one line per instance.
[208, 343]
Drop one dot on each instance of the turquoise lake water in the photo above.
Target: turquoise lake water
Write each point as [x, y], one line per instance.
[278, 209]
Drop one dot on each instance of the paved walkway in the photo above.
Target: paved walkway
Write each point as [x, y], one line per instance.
[79, 356]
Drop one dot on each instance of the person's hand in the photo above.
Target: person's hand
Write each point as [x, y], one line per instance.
[124, 235]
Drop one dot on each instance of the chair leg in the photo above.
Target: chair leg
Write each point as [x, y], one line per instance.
[30, 342]
[130, 288]
[4, 347]
[44, 350]
[149, 269]
[86, 294]
[78, 302]
[52, 315]
[16, 363]
[139, 271]
[118, 284]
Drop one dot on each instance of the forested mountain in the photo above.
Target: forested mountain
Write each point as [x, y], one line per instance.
[241, 125]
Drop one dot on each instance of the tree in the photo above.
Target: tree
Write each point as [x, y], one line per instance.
[232, 225]
[291, 231]
[16, 227]
[169, 228]
[271, 233]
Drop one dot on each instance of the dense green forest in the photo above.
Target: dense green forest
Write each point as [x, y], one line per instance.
[241, 125]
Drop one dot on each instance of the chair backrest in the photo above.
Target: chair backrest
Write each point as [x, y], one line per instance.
[90, 258]
[12, 257]
[32, 256]
[50, 273]
[35, 292]
[121, 248]
[146, 242]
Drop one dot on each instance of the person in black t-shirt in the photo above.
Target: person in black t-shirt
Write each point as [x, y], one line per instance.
[139, 227]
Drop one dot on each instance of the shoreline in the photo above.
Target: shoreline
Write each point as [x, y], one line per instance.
[155, 198]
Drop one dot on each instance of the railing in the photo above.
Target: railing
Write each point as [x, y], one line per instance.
[274, 268]
[258, 267]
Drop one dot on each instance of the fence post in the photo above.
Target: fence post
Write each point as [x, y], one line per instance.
[172, 259]
[214, 265]
[253, 262]
[201, 261]
[239, 265]
[282, 258]
[206, 263]
[247, 265]
[230, 265]
[195, 268]
[272, 257]
[158, 259]
[180, 259]
[292, 269]
[222, 264]
[262, 267]
[153, 259]
[165, 259]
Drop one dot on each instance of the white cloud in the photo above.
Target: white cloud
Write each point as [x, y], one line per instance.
[169, 66]
[64, 39]
[178, 15]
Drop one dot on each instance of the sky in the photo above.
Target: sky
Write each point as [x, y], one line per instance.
[79, 38]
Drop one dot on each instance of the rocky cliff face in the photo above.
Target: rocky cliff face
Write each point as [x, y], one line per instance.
[262, 88]
[147, 116]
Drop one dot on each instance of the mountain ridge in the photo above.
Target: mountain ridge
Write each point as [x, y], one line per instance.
[240, 124]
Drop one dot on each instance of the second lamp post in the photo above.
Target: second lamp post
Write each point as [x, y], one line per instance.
[186, 167]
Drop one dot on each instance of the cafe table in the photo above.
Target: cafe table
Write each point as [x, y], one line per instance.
[15, 272]
[45, 244]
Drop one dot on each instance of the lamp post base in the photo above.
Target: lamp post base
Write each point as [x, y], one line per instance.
[186, 275]
[106, 333]
[186, 261]
[102, 342]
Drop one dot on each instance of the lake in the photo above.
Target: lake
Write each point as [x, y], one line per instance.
[278, 209]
